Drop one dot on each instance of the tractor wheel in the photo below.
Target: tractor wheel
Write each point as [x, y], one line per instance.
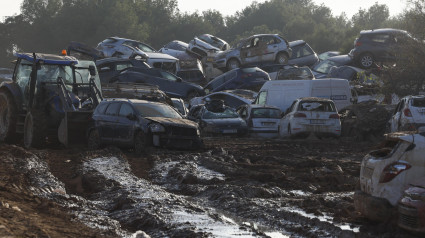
[8, 117]
[282, 58]
[35, 129]
[94, 140]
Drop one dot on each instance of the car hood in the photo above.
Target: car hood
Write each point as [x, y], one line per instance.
[157, 55]
[180, 122]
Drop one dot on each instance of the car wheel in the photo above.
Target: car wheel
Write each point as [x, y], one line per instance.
[94, 140]
[282, 58]
[8, 117]
[35, 129]
[233, 64]
[140, 143]
[366, 60]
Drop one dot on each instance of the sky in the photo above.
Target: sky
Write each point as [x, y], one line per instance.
[229, 7]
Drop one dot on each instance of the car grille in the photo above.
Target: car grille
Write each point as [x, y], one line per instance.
[182, 131]
[406, 217]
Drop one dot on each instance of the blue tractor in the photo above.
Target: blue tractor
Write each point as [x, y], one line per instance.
[50, 98]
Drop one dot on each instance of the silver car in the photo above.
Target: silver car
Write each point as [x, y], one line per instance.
[254, 50]
[125, 48]
[206, 45]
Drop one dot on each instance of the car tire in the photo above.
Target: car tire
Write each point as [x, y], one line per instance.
[8, 117]
[35, 127]
[94, 140]
[232, 64]
[366, 60]
[282, 58]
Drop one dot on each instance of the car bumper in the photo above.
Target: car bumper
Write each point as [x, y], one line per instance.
[411, 215]
[320, 130]
[374, 208]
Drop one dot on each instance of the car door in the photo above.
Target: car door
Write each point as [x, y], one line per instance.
[126, 125]
[250, 51]
[395, 119]
[107, 122]
[267, 49]
[285, 121]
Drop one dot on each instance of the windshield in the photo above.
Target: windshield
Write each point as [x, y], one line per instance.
[316, 106]
[324, 66]
[156, 110]
[227, 113]
[50, 73]
[265, 113]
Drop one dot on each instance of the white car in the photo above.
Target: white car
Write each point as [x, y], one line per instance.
[311, 115]
[262, 120]
[207, 45]
[126, 48]
[385, 173]
[409, 114]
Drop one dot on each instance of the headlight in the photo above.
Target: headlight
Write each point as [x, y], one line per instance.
[198, 132]
[155, 127]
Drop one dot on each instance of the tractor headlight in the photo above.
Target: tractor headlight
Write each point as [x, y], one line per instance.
[155, 127]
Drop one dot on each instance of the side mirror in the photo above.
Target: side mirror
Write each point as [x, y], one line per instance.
[92, 70]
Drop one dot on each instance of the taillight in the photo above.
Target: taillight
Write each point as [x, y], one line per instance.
[299, 114]
[392, 170]
[358, 43]
[334, 116]
[246, 75]
[407, 112]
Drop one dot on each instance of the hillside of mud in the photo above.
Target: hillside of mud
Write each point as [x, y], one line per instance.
[234, 187]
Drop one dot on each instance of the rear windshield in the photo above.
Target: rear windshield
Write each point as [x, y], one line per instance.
[316, 106]
[227, 113]
[418, 102]
[156, 110]
[265, 113]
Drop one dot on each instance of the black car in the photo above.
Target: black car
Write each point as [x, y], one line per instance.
[111, 67]
[322, 69]
[214, 118]
[138, 124]
[172, 85]
[380, 45]
[241, 78]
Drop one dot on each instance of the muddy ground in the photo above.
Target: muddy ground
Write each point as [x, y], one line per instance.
[235, 187]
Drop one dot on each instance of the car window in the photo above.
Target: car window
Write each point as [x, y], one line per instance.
[324, 66]
[215, 83]
[261, 99]
[418, 102]
[268, 40]
[380, 38]
[156, 110]
[101, 108]
[123, 65]
[265, 113]
[112, 109]
[106, 67]
[168, 76]
[139, 45]
[125, 110]
[316, 106]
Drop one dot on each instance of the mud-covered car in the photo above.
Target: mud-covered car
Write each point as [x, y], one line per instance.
[139, 124]
[207, 44]
[311, 115]
[262, 120]
[386, 172]
[254, 50]
[251, 78]
[166, 81]
[127, 48]
[409, 114]
[214, 118]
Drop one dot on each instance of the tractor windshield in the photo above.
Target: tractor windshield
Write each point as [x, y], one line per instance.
[50, 73]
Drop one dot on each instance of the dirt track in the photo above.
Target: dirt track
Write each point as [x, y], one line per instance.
[234, 187]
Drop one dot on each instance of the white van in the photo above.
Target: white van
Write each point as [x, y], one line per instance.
[281, 93]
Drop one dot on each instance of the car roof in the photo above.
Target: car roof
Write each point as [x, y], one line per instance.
[296, 43]
[383, 30]
[48, 58]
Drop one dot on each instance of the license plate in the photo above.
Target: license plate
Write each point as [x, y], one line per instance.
[313, 121]
[230, 131]
[267, 123]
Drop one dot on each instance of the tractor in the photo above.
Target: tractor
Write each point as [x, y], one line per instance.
[50, 99]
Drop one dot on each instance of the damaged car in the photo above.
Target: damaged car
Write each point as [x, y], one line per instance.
[111, 67]
[409, 115]
[231, 98]
[262, 120]
[127, 48]
[207, 45]
[257, 49]
[386, 172]
[302, 54]
[311, 115]
[138, 124]
[215, 118]
[411, 207]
